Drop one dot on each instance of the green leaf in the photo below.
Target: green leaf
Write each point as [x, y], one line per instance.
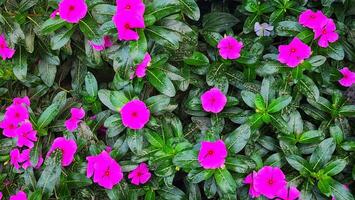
[51, 25]
[237, 140]
[323, 153]
[278, 104]
[335, 51]
[288, 28]
[161, 82]
[50, 175]
[47, 72]
[300, 164]
[134, 140]
[337, 134]
[308, 87]
[161, 9]
[186, 159]
[248, 98]
[154, 139]
[225, 181]
[91, 84]
[334, 167]
[324, 185]
[77, 180]
[212, 38]
[259, 102]
[138, 48]
[105, 98]
[295, 123]
[164, 37]
[218, 21]
[317, 60]
[89, 27]
[157, 104]
[340, 192]
[327, 3]
[250, 22]
[48, 116]
[347, 111]
[191, 9]
[240, 164]
[199, 175]
[276, 16]
[306, 35]
[20, 64]
[197, 59]
[267, 90]
[310, 137]
[118, 99]
[61, 38]
[149, 195]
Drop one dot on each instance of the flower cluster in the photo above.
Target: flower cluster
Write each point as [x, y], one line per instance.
[212, 155]
[76, 115]
[322, 26]
[106, 171]
[128, 16]
[5, 51]
[23, 158]
[229, 48]
[270, 182]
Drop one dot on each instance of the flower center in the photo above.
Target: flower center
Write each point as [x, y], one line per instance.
[107, 173]
[324, 31]
[213, 100]
[71, 8]
[134, 114]
[11, 126]
[2, 46]
[293, 50]
[139, 174]
[127, 26]
[17, 115]
[270, 181]
[210, 152]
[128, 7]
[312, 16]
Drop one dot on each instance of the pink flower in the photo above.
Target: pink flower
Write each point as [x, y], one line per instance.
[348, 77]
[0, 195]
[9, 128]
[326, 33]
[269, 181]
[294, 53]
[142, 67]
[291, 193]
[105, 44]
[135, 114]
[54, 14]
[229, 48]
[311, 19]
[125, 24]
[22, 101]
[76, 115]
[250, 180]
[5, 51]
[26, 135]
[140, 175]
[67, 147]
[212, 155]
[72, 11]
[19, 196]
[136, 7]
[213, 100]
[17, 113]
[15, 158]
[26, 158]
[106, 171]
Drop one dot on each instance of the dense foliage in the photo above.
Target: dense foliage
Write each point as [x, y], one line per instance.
[296, 118]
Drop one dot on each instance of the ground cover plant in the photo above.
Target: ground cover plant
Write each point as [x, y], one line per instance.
[177, 99]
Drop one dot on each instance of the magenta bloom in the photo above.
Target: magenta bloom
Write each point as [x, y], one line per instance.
[0, 195]
[76, 115]
[16, 113]
[291, 193]
[15, 158]
[212, 155]
[229, 48]
[105, 44]
[250, 180]
[326, 34]
[5, 51]
[106, 171]
[125, 25]
[294, 53]
[19, 196]
[270, 181]
[67, 147]
[311, 19]
[72, 11]
[26, 135]
[213, 100]
[22, 101]
[135, 114]
[142, 67]
[135, 7]
[26, 158]
[348, 77]
[9, 128]
[140, 175]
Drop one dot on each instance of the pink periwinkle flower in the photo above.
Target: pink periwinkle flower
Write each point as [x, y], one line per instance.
[19, 196]
[212, 155]
[17, 113]
[9, 127]
[106, 171]
[135, 114]
[270, 181]
[68, 148]
[125, 25]
[294, 53]
[229, 48]
[5, 51]
[213, 100]
[26, 158]
[141, 68]
[0, 195]
[291, 193]
[348, 77]
[311, 19]
[22, 101]
[26, 135]
[326, 34]
[106, 43]
[250, 180]
[135, 7]
[76, 115]
[140, 175]
[15, 158]
[72, 11]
